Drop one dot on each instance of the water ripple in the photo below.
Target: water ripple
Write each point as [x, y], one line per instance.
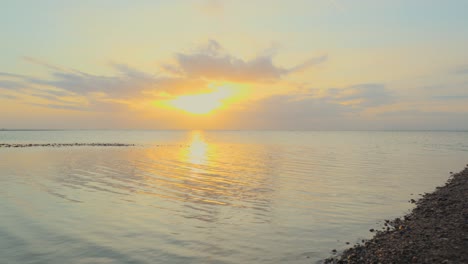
[257, 197]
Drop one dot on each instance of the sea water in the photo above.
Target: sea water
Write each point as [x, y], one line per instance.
[210, 196]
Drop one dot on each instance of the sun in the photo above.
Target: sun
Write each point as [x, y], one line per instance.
[220, 96]
[200, 104]
[197, 104]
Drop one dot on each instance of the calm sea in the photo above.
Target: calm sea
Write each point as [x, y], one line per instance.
[210, 197]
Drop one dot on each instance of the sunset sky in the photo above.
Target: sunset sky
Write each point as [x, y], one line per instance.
[212, 64]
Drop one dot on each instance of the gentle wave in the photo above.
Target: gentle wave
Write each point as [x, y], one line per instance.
[212, 197]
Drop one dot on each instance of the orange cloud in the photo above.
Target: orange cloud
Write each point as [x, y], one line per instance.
[192, 73]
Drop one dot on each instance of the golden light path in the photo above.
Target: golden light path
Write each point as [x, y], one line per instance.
[192, 175]
[197, 153]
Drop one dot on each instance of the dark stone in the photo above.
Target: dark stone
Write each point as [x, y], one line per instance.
[434, 232]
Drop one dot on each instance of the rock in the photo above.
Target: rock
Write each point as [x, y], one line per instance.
[434, 232]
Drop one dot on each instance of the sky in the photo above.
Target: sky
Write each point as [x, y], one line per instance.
[213, 64]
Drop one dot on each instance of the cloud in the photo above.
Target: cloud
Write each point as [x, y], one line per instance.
[461, 69]
[10, 85]
[361, 95]
[309, 63]
[6, 74]
[355, 96]
[90, 106]
[43, 63]
[314, 110]
[192, 73]
[450, 97]
[59, 106]
[416, 113]
[96, 92]
[58, 92]
[290, 112]
[212, 62]
[291, 106]
[46, 96]
[126, 84]
[424, 120]
[8, 96]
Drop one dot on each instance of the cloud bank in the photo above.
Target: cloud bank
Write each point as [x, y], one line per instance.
[212, 62]
[191, 73]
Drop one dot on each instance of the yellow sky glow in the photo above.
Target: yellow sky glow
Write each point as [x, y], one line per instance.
[204, 103]
[317, 65]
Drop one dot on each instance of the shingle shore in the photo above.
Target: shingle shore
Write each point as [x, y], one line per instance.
[436, 231]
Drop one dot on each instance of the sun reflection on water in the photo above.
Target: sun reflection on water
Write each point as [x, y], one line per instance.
[195, 172]
[198, 149]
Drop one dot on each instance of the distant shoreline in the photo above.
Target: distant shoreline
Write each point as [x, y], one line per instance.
[436, 231]
[66, 145]
[230, 130]
[3, 129]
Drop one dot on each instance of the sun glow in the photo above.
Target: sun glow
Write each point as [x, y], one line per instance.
[201, 103]
[197, 153]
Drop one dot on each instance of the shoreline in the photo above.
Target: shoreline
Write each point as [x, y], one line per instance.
[66, 145]
[435, 231]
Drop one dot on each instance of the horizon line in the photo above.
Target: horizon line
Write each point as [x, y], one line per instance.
[279, 130]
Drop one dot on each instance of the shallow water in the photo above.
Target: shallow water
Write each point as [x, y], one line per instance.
[210, 197]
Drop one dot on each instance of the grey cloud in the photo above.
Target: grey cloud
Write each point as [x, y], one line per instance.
[107, 106]
[45, 96]
[288, 111]
[369, 94]
[461, 69]
[92, 105]
[226, 67]
[211, 62]
[11, 85]
[433, 87]
[288, 105]
[8, 96]
[411, 113]
[450, 97]
[451, 89]
[43, 63]
[426, 120]
[58, 92]
[192, 70]
[309, 63]
[6, 74]
[129, 83]
[172, 69]
[132, 73]
[60, 106]
[81, 83]
[311, 111]
[404, 113]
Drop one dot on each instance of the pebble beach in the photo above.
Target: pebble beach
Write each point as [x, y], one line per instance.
[436, 231]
